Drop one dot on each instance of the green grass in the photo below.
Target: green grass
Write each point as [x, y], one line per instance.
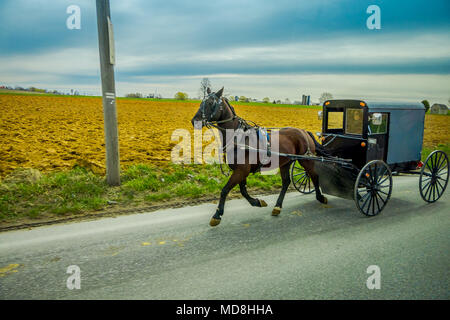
[40, 94]
[234, 103]
[20, 92]
[79, 190]
[443, 147]
[56, 193]
[28, 93]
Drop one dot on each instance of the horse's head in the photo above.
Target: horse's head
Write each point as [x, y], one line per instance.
[211, 108]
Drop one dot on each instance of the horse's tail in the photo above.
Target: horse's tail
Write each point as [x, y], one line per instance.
[320, 150]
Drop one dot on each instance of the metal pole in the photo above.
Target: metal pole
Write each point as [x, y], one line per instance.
[107, 60]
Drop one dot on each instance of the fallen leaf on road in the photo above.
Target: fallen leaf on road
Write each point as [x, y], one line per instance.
[9, 269]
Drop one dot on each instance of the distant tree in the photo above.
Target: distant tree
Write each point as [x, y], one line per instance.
[243, 99]
[287, 101]
[426, 104]
[279, 101]
[34, 89]
[325, 96]
[204, 85]
[181, 95]
[134, 95]
[266, 100]
[229, 96]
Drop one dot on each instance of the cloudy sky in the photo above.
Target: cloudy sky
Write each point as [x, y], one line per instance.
[257, 48]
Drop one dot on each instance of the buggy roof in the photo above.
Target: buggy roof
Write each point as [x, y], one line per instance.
[374, 105]
[395, 105]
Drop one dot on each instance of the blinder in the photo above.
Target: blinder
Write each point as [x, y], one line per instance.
[214, 109]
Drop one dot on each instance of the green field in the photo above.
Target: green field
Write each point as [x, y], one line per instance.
[18, 92]
[27, 194]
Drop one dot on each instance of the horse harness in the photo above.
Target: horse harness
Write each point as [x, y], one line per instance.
[242, 124]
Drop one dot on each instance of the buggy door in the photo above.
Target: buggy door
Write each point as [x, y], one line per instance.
[377, 135]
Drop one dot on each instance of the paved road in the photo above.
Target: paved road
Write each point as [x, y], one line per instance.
[310, 251]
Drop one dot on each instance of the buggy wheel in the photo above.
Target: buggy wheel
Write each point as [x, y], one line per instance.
[300, 178]
[373, 188]
[434, 176]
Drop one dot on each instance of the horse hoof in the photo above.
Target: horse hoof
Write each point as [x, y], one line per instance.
[276, 211]
[323, 200]
[262, 203]
[214, 222]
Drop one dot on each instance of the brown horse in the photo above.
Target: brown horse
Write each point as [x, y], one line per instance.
[216, 111]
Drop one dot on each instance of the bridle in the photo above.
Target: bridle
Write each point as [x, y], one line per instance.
[218, 106]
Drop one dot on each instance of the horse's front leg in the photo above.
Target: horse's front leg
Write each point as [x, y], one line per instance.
[235, 179]
[286, 180]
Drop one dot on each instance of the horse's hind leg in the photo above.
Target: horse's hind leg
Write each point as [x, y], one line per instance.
[254, 202]
[309, 167]
[286, 180]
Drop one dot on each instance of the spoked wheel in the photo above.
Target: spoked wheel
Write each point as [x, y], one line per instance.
[434, 176]
[300, 178]
[373, 188]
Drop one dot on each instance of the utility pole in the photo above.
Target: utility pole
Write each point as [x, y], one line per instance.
[107, 61]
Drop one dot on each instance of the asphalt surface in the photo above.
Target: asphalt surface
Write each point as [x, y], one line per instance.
[310, 251]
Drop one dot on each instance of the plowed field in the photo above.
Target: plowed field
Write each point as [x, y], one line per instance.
[55, 133]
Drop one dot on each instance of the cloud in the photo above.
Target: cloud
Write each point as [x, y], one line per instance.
[70, 61]
[31, 27]
[164, 26]
[384, 54]
[344, 55]
[171, 44]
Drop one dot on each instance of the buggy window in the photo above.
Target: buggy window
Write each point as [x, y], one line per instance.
[354, 121]
[381, 128]
[335, 119]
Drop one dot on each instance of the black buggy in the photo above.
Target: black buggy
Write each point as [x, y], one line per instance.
[367, 143]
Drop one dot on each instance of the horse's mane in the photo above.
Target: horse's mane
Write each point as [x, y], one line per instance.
[229, 105]
[247, 124]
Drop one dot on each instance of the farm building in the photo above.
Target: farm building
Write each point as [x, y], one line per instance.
[438, 108]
